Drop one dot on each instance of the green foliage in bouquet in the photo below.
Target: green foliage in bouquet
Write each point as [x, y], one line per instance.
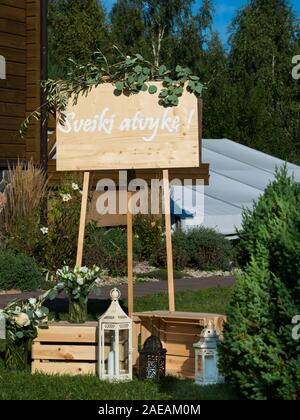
[77, 282]
[22, 319]
[259, 354]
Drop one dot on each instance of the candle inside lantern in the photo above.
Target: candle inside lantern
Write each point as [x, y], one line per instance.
[112, 357]
[2, 326]
[111, 363]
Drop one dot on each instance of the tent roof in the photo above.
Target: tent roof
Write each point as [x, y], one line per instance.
[238, 176]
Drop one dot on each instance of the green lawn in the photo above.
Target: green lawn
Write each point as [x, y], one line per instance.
[213, 300]
[24, 386]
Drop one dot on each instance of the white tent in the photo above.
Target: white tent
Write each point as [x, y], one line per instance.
[238, 176]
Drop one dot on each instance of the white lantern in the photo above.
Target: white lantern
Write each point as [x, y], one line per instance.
[2, 325]
[206, 357]
[115, 342]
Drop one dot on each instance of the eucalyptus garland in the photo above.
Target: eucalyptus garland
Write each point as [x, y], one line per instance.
[131, 75]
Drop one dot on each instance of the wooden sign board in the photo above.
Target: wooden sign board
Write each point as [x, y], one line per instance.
[107, 131]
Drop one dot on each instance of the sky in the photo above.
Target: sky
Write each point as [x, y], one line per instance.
[224, 12]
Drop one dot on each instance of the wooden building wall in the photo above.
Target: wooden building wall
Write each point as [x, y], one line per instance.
[20, 92]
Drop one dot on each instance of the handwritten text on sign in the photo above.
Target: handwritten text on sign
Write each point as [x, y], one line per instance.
[105, 131]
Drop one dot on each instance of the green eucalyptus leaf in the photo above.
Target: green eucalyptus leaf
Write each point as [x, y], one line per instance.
[144, 88]
[146, 71]
[163, 93]
[120, 86]
[195, 78]
[152, 89]
[138, 69]
[19, 334]
[162, 70]
[192, 85]
[178, 90]
[199, 89]
[168, 80]
[131, 79]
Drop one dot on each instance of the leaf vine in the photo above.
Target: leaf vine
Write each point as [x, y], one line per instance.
[130, 75]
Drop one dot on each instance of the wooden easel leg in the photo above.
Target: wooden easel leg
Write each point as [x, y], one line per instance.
[129, 254]
[167, 199]
[84, 202]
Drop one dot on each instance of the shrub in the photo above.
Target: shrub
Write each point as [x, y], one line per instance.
[259, 355]
[21, 202]
[58, 244]
[18, 271]
[107, 248]
[148, 229]
[199, 248]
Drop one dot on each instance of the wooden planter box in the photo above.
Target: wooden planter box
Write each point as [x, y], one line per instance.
[72, 349]
[178, 331]
[66, 348]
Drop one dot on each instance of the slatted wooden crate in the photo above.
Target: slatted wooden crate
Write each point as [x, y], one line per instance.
[178, 331]
[65, 348]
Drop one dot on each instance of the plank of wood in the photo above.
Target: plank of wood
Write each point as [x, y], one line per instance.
[18, 4]
[181, 366]
[167, 203]
[127, 144]
[13, 55]
[10, 123]
[63, 334]
[63, 352]
[12, 96]
[12, 27]
[11, 151]
[15, 69]
[129, 253]
[12, 13]
[12, 41]
[82, 223]
[12, 110]
[180, 348]
[11, 137]
[14, 82]
[62, 368]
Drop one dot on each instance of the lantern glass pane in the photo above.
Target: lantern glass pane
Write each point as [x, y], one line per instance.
[210, 367]
[124, 351]
[109, 352]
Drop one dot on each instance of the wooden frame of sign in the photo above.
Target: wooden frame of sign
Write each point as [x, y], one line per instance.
[105, 133]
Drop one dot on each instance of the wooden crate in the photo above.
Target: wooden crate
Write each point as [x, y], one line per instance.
[178, 331]
[66, 348]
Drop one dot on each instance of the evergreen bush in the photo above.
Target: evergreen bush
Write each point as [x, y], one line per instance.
[18, 271]
[259, 355]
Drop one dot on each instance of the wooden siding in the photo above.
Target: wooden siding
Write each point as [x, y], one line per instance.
[13, 89]
[19, 93]
[33, 76]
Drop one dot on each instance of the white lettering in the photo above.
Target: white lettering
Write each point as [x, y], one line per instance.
[296, 69]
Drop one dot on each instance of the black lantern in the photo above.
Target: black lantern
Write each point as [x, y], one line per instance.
[152, 363]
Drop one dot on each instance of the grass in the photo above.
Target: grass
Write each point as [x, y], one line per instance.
[24, 386]
[213, 300]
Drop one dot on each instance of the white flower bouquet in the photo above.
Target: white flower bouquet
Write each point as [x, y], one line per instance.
[22, 319]
[78, 283]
